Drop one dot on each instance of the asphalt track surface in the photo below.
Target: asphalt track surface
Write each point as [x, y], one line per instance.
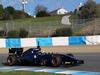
[91, 62]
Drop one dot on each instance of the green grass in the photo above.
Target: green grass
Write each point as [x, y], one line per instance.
[38, 19]
[27, 73]
[43, 25]
[33, 22]
[37, 26]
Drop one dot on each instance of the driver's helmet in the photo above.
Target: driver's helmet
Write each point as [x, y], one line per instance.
[43, 51]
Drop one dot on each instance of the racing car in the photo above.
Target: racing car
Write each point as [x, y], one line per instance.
[36, 56]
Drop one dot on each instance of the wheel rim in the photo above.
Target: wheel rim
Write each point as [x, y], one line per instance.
[9, 60]
[54, 61]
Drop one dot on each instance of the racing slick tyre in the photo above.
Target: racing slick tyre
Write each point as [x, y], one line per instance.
[56, 61]
[11, 60]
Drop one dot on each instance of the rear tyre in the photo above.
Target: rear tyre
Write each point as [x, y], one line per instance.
[11, 60]
[56, 61]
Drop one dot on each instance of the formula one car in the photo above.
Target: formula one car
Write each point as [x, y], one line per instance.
[36, 56]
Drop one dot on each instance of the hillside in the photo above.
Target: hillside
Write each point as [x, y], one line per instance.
[88, 27]
[92, 29]
[38, 19]
[42, 26]
[46, 26]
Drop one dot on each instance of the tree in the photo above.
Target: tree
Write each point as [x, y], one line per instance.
[39, 8]
[2, 12]
[10, 11]
[98, 10]
[89, 10]
[42, 14]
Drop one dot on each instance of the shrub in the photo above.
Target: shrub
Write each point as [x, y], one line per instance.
[64, 32]
[13, 34]
[42, 14]
[23, 33]
[2, 33]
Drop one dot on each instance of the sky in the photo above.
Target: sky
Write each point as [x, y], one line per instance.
[69, 5]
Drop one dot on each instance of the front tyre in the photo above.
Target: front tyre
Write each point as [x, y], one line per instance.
[11, 60]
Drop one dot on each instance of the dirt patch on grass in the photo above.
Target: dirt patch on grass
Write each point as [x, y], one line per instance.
[64, 49]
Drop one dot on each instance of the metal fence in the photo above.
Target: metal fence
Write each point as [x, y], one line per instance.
[79, 27]
[86, 26]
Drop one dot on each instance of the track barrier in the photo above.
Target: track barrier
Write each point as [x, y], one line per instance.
[49, 41]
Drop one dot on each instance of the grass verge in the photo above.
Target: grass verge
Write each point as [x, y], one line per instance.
[27, 73]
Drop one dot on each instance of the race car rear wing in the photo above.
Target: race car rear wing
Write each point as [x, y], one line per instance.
[17, 51]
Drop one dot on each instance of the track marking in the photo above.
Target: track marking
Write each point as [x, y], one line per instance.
[57, 71]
